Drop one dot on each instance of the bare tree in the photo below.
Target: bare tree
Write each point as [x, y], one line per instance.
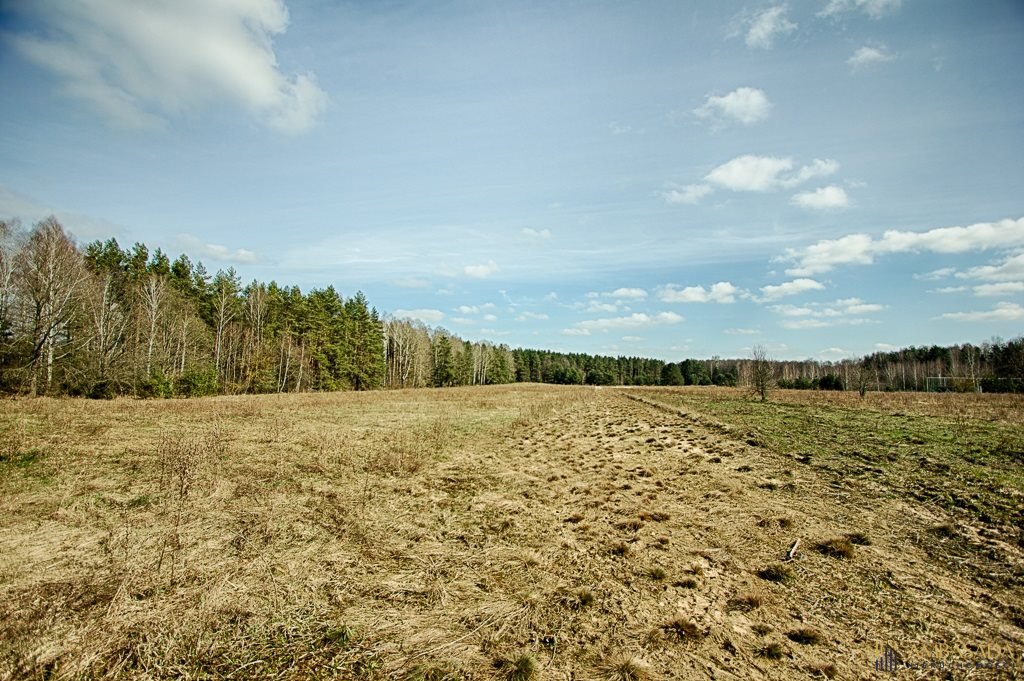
[107, 324]
[49, 272]
[10, 236]
[762, 372]
[152, 295]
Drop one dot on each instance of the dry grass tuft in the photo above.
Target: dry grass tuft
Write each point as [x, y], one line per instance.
[686, 583]
[772, 651]
[804, 636]
[620, 549]
[945, 530]
[576, 599]
[657, 573]
[681, 629]
[779, 573]
[520, 668]
[631, 525]
[654, 516]
[746, 602]
[435, 672]
[859, 538]
[625, 667]
[837, 547]
[822, 669]
[781, 522]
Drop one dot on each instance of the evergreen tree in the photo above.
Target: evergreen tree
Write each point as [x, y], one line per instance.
[444, 365]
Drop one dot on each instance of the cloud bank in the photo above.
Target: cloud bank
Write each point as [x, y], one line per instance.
[142, 63]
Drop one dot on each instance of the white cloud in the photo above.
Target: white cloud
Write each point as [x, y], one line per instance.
[843, 312]
[1005, 288]
[628, 293]
[1002, 312]
[141, 63]
[869, 55]
[632, 339]
[494, 332]
[746, 105]
[722, 292]
[1010, 269]
[873, 8]
[976, 237]
[857, 306]
[823, 198]
[764, 26]
[536, 234]
[767, 173]
[862, 249]
[951, 289]
[531, 315]
[635, 320]
[467, 309]
[618, 300]
[481, 271]
[741, 332]
[826, 254]
[940, 273]
[750, 173]
[195, 247]
[816, 168]
[429, 316]
[790, 288]
[490, 318]
[825, 323]
[598, 306]
[575, 332]
[689, 194]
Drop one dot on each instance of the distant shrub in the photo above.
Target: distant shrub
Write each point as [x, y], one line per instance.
[830, 382]
[158, 384]
[103, 390]
[196, 383]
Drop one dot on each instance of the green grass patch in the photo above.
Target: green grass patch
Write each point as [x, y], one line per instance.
[965, 466]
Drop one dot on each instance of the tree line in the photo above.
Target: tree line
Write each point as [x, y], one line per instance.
[102, 321]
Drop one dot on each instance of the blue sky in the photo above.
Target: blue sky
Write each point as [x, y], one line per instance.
[668, 179]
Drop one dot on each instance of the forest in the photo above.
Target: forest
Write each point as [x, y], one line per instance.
[103, 321]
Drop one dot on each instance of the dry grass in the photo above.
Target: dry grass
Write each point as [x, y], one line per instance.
[625, 667]
[509, 532]
[746, 602]
[804, 636]
[836, 547]
[782, 574]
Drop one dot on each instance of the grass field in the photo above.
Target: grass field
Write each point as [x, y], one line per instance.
[509, 532]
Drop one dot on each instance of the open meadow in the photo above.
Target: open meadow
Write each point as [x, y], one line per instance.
[510, 532]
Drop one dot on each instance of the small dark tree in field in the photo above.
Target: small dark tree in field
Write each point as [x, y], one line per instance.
[762, 372]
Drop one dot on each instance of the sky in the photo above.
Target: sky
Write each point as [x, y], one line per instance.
[823, 178]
